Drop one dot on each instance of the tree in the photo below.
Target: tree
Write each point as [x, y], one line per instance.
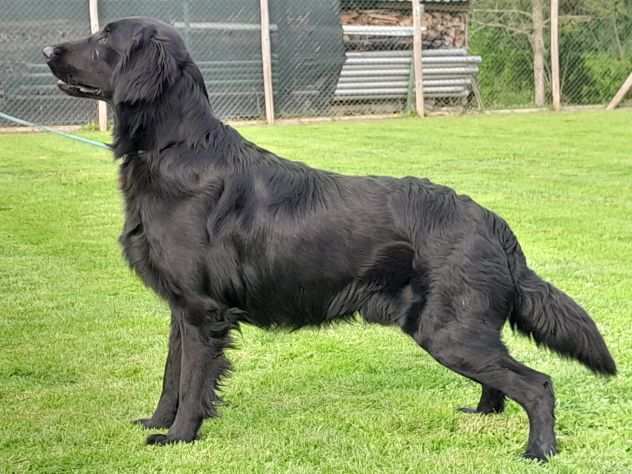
[521, 18]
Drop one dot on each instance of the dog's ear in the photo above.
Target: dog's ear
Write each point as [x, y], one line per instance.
[146, 70]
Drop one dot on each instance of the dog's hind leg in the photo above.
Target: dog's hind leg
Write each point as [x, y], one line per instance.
[167, 407]
[203, 363]
[475, 351]
[492, 401]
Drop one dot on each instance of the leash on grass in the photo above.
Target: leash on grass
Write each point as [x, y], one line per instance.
[69, 136]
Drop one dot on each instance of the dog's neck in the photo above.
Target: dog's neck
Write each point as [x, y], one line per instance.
[180, 116]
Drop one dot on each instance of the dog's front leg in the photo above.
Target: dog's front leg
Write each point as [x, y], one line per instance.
[165, 412]
[203, 363]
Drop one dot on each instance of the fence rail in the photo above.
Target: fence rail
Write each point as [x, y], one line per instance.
[343, 57]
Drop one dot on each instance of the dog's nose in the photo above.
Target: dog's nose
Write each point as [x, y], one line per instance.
[48, 52]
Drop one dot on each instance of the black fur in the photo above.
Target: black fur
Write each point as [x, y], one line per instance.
[229, 233]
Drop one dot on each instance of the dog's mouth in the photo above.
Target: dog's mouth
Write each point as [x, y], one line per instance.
[80, 90]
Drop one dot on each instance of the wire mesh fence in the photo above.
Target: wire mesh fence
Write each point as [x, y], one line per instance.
[378, 75]
[27, 89]
[340, 57]
[595, 49]
[224, 39]
[505, 34]
[513, 38]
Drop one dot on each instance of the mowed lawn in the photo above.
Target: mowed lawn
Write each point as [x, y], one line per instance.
[82, 343]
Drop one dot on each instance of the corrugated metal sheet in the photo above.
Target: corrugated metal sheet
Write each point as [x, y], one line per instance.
[386, 74]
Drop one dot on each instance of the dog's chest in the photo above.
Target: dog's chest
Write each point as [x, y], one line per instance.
[159, 242]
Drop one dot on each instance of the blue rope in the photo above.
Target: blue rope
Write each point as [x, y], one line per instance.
[70, 136]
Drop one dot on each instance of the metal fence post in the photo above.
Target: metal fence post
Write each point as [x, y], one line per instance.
[94, 27]
[555, 54]
[266, 56]
[418, 12]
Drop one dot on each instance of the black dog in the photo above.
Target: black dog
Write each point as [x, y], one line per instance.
[227, 232]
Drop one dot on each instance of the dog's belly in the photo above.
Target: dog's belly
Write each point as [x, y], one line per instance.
[299, 307]
[289, 303]
[304, 280]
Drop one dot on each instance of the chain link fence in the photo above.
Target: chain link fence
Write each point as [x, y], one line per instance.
[27, 89]
[595, 49]
[224, 38]
[514, 36]
[377, 74]
[340, 57]
[504, 34]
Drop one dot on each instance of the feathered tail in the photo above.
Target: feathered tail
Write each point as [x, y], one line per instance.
[549, 316]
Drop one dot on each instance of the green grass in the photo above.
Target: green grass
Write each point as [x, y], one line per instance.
[82, 343]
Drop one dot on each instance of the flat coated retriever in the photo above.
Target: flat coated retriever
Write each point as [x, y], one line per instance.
[229, 233]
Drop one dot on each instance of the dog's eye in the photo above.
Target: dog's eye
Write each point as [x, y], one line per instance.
[103, 38]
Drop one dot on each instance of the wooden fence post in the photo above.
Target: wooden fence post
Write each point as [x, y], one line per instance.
[266, 56]
[555, 54]
[102, 107]
[538, 52]
[186, 17]
[625, 88]
[417, 60]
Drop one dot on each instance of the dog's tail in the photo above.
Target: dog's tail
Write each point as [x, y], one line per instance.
[548, 315]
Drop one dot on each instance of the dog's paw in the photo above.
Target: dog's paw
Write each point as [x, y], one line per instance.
[160, 440]
[539, 454]
[150, 423]
[476, 411]
[164, 439]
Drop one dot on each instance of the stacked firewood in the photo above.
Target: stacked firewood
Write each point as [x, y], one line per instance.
[376, 17]
[443, 29]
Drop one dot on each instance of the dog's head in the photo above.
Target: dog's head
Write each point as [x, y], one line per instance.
[129, 61]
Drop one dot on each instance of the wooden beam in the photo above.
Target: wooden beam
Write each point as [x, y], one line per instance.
[417, 61]
[466, 45]
[538, 52]
[102, 108]
[555, 55]
[625, 88]
[186, 16]
[266, 56]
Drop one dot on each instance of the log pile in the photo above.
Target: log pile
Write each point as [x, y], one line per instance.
[443, 29]
[376, 17]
